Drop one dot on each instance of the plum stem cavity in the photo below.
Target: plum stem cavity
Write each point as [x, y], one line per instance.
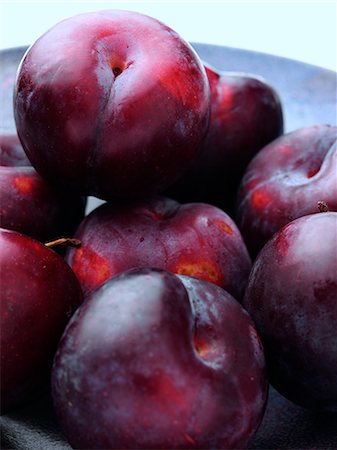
[116, 71]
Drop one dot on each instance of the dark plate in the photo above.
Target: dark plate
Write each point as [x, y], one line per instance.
[308, 94]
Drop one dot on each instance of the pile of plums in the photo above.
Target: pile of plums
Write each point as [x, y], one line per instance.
[209, 270]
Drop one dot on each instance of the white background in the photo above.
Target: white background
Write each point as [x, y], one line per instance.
[302, 30]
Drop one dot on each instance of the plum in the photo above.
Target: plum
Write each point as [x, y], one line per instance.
[39, 293]
[195, 239]
[29, 204]
[111, 104]
[286, 180]
[246, 114]
[155, 361]
[32, 206]
[292, 298]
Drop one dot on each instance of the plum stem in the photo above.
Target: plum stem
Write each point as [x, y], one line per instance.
[63, 241]
[322, 206]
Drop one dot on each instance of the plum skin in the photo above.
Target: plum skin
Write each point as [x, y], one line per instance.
[286, 180]
[28, 203]
[246, 114]
[291, 296]
[39, 292]
[31, 206]
[194, 239]
[151, 360]
[120, 114]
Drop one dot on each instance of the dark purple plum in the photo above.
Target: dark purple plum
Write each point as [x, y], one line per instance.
[292, 298]
[246, 114]
[155, 361]
[111, 104]
[39, 293]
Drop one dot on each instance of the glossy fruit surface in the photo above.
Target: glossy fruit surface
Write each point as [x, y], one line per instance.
[111, 103]
[246, 115]
[292, 298]
[154, 361]
[39, 292]
[286, 180]
[193, 239]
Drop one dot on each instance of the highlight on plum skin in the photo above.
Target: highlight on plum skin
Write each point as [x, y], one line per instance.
[153, 360]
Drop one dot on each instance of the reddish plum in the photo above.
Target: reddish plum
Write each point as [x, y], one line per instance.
[39, 292]
[111, 103]
[286, 180]
[154, 361]
[33, 207]
[193, 239]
